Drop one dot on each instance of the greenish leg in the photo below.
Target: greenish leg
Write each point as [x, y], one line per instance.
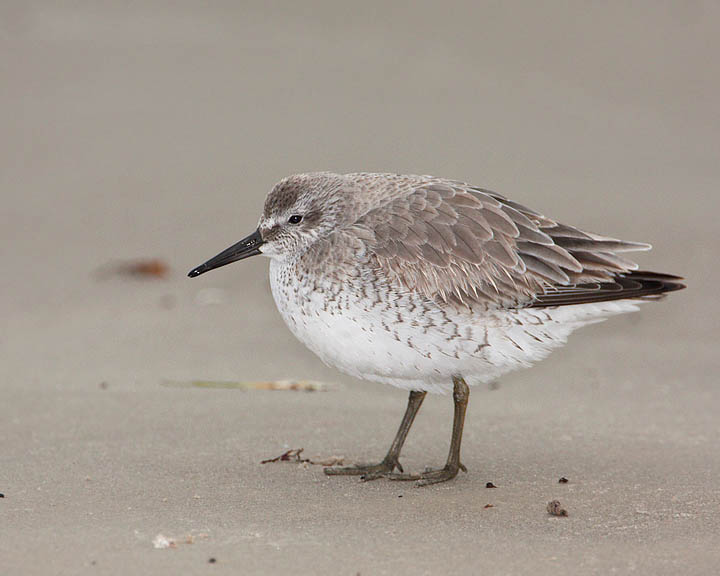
[461, 393]
[391, 460]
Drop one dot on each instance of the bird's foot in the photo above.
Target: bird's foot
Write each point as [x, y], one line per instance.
[366, 471]
[430, 476]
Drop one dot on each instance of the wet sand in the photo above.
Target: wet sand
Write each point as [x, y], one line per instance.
[155, 131]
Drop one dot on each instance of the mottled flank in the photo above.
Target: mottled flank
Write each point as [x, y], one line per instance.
[411, 280]
[430, 285]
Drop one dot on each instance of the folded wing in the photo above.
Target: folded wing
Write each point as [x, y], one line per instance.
[451, 241]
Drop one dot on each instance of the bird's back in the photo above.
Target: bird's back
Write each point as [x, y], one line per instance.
[451, 241]
[434, 277]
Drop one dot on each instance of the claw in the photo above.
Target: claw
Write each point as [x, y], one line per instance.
[402, 477]
[390, 462]
[372, 476]
[429, 476]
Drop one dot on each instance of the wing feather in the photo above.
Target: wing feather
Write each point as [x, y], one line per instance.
[446, 240]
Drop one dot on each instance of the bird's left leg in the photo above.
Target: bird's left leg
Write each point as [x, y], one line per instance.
[391, 460]
[461, 393]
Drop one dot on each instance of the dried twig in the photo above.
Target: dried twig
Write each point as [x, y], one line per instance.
[292, 385]
[294, 456]
[289, 456]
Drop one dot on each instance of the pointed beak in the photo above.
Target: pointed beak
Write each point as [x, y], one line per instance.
[247, 247]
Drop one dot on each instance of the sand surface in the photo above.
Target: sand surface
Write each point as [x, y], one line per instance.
[155, 130]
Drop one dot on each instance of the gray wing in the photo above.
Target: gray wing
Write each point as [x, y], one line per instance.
[451, 241]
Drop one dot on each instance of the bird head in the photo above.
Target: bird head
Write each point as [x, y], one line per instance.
[299, 210]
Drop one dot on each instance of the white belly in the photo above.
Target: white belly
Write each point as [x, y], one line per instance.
[415, 344]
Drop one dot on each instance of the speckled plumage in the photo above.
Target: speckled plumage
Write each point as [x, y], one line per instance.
[430, 284]
[417, 279]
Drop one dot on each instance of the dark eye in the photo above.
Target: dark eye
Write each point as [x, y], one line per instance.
[295, 219]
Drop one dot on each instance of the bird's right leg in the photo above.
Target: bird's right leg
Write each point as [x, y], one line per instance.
[391, 460]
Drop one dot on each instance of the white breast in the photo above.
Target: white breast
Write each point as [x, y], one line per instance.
[340, 328]
[377, 334]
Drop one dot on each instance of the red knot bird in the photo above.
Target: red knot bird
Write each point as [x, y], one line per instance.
[431, 284]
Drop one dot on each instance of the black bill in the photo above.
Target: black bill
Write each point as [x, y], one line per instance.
[247, 247]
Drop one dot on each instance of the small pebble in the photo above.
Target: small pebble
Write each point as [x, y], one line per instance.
[554, 508]
[490, 485]
[563, 480]
[212, 561]
[2, 495]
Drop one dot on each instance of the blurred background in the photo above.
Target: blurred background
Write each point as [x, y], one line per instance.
[152, 131]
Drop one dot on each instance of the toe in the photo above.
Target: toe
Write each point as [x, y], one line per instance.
[403, 477]
[370, 476]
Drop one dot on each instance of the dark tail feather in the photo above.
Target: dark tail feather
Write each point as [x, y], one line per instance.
[630, 285]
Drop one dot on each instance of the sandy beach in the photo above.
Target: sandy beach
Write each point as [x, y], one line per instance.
[154, 131]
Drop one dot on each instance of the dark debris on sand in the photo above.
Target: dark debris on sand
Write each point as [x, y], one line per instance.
[554, 508]
[143, 268]
[292, 455]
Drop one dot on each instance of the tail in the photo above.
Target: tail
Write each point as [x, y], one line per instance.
[635, 284]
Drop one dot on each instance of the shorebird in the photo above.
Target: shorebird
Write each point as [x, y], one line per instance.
[431, 284]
